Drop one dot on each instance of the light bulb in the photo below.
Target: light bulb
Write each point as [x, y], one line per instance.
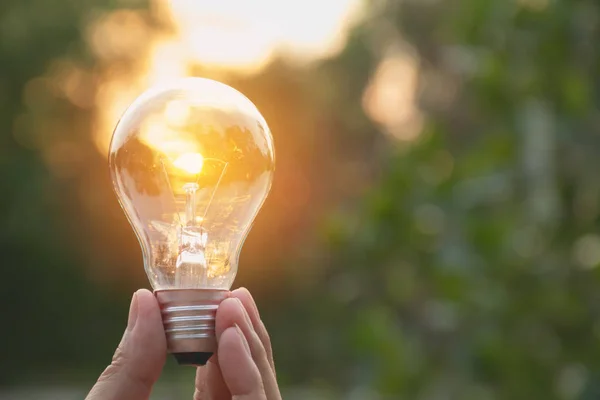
[191, 163]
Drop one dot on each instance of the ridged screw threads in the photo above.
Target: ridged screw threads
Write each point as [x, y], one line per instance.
[189, 318]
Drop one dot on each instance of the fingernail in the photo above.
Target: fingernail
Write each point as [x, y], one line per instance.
[243, 338]
[133, 312]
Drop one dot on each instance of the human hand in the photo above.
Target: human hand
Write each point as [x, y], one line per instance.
[242, 368]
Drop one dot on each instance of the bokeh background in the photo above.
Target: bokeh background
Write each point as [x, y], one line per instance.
[433, 231]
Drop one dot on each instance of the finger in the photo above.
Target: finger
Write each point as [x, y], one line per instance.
[216, 384]
[231, 312]
[250, 305]
[140, 357]
[210, 383]
[201, 392]
[239, 370]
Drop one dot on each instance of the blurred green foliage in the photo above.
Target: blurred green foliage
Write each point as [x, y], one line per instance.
[469, 270]
[460, 265]
[40, 271]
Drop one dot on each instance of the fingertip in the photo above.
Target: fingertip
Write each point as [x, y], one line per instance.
[148, 308]
[230, 312]
[241, 290]
[148, 337]
[145, 296]
[243, 294]
[248, 302]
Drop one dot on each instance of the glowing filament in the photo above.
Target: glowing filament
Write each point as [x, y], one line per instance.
[190, 163]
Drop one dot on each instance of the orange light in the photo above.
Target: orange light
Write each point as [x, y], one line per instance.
[222, 36]
[177, 113]
[190, 163]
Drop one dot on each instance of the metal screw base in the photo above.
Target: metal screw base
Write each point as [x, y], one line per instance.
[189, 321]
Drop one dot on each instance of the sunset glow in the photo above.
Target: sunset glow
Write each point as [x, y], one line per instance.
[223, 36]
[244, 35]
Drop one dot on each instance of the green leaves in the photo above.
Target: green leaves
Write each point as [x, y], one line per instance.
[469, 250]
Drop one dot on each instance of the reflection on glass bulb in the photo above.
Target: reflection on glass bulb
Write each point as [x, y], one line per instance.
[192, 163]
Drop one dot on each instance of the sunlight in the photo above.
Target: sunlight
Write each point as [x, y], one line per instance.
[244, 35]
[229, 36]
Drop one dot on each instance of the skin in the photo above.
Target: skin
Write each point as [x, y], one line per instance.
[242, 369]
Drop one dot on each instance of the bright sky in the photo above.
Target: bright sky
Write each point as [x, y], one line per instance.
[237, 35]
[245, 33]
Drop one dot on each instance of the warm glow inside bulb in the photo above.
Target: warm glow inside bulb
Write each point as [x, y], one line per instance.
[177, 112]
[190, 163]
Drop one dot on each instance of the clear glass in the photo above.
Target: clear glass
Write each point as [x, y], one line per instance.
[192, 164]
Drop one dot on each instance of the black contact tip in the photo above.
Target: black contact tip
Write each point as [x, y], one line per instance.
[195, 358]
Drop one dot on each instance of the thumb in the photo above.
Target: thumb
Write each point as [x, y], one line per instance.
[140, 357]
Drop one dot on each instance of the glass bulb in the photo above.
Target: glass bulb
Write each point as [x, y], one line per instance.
[192, 163]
